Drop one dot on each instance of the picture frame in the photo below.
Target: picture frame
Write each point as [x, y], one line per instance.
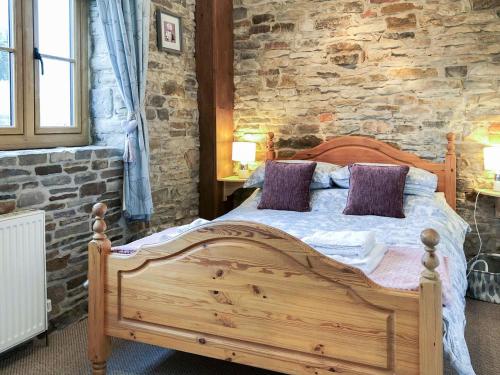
[169, 32]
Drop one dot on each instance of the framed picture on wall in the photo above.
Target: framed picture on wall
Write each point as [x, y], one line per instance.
[169, 31]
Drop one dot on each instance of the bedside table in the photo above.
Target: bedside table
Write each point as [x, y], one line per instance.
[231, 184]
[492, 193]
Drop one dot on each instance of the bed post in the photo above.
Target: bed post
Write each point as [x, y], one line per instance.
[271, 152]
[99, 248]
[451, 168]
[430, 316]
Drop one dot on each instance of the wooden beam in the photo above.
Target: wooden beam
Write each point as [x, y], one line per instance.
[214, 70]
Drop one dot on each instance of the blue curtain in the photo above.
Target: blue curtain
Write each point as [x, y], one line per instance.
[125, 24]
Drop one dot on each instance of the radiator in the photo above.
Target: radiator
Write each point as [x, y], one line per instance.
[23, 301]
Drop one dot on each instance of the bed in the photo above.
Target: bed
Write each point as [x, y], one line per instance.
[251, 293]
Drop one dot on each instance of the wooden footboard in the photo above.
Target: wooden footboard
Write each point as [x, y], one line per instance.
[252, 294]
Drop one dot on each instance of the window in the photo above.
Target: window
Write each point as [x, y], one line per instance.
[43, 75]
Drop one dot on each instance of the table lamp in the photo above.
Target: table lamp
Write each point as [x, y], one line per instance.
[492, 163]
[244, 153]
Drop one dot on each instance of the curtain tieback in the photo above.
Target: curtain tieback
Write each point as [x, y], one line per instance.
[129, 126]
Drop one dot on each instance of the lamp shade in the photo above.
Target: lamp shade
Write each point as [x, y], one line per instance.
[492, 158]
[244, 151]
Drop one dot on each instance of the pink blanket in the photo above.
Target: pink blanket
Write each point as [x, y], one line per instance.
[399, 269]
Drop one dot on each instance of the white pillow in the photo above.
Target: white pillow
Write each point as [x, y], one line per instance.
[321, 177]
[418, 181]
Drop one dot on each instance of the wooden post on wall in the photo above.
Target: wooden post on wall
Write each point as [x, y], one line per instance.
[214, 70]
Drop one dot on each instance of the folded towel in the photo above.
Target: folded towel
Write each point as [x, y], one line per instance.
[366, 264]
[353, 244]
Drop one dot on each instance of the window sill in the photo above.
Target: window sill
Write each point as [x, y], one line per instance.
[22, 142]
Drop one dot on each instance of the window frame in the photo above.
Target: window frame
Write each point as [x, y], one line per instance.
[17, 51]
[27, 132]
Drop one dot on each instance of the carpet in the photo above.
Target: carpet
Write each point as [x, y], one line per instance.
[66, 353]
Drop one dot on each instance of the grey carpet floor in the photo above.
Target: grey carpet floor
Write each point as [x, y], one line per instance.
[66, 353]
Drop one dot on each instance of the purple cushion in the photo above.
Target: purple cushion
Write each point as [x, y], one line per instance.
[286, 186]
[376, 190]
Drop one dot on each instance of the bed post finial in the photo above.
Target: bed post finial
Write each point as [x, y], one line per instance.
[451, 143]
[99, 226]
[271, 152]
[99, 248]
[430, 308]
[430, 239]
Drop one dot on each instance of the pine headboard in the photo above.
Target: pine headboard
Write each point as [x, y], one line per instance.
[357, 149]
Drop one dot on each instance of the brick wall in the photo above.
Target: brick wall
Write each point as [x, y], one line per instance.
[404, 72]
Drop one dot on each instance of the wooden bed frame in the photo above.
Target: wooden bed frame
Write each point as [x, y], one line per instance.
[252, 294]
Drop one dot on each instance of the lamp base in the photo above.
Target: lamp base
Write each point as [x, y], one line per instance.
[244, 174]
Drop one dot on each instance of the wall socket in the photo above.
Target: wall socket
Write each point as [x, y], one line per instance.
[49, 305]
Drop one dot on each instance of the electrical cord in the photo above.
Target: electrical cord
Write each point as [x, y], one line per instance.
[478, 236]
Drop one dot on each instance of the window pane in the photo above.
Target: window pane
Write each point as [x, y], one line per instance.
[5, 16]
[55, 18]
[56, 94]
[5, 90]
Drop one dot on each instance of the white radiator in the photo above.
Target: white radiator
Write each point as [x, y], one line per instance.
[23, 301]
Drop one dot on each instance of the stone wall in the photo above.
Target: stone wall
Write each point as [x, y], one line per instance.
[172, 113]
[65, 183]
[406, 72]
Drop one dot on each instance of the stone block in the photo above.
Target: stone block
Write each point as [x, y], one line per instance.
[62, 156]
[99, 164]
[83, 154]
[398, 8]
[75, 169]
[262, 18]
[239, 13]
[485, 4]
[112, 173]
[32, 159]
[94, 188]
[398, 23]
[8, 188]
[260, 29]
[56, 293]
[56, 264]
[413, 73]
[81, 178]
[80, 229]
[7, 206]
[283, 27]
[62, 197]
[456, 71]
[6, 173]
[30, 185]
[31, 198]
[156, 101]
[57, 180]
[163, 114]
[48, 169]
[307, 141]
[7, 161]
[348, 60]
